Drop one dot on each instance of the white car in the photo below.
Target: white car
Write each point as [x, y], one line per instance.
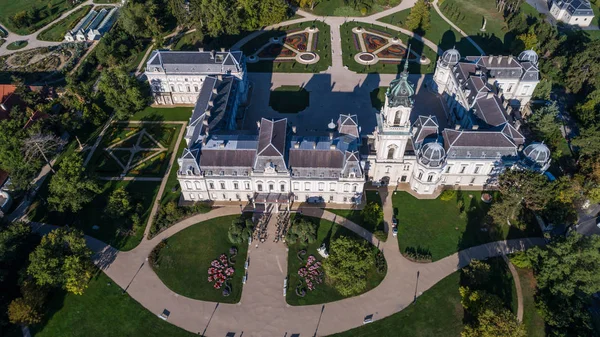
[395, 231]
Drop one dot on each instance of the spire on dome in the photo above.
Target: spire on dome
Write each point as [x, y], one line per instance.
[401, 91]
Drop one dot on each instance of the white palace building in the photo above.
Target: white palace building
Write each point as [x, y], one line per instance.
[273, 164]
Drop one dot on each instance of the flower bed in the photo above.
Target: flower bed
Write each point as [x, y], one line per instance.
[393, 51]
[366, 57]
[275, 50]
[373, 42]
[311, 273]
[297, 41]
[219, 272]
[314, 41]
[356, 42]
[380, 32]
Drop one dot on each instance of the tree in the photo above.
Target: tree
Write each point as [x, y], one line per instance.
[41, 145]
[588, 141]
[240, 230]
[347, 265]
[543, 89]
[419, 17]
[494, 324]
[21, 312]
[372, 214]
[529, 40]
[273, 11]
[140, 19]
[545, 124]
[302, 231]
[119, 203]
[583, 67]
[179, 11]
[217, 17]
[530, 187]
[70, 188]
[308, 3]
[567, 273]
[505, 210]
[588, 110]
[62, 259]
[123, 93]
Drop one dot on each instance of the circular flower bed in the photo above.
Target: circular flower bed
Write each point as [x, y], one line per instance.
[366, 57]
[486, 197]
[219, 271]
[307, 57]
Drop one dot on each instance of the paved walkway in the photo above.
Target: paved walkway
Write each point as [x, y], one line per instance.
[515, 275]
[437, 9]
[263, 310]
[32, 38]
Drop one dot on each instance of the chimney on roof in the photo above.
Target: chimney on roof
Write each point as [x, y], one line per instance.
[510, 58]
[214, 91]
[296, 145]
[222, 50]
[204, 140]
[457, 127]
[332, 147]
[517, 125]
[211, 103]
[489, 94]
[207, 112]
[258, 124]
[293, 129]
[212, 54]
[505, 103]
[475, 127]
[315, 145]
[491, 59]
[201, 49]
[330, 135]
[509, 109]
[205, 122]
[222, 145]
[499, 59]
[220, 77]
[520, 147]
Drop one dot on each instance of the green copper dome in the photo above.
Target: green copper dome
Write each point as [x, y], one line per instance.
[401, 91]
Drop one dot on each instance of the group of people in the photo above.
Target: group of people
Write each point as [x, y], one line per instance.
[283, 220]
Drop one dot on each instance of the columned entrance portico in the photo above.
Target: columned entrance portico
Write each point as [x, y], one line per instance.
[267, 201]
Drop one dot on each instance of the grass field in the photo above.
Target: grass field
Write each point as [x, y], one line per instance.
[323, 49]
[172, 189]
[17, 45]
[102, 310]
[48, 10]
[442, 229]
[439, 32]
[469, 16]
[289, 99]
[183, 264]
[354, 215]
[163, 114]
[142, 192]
[324, 292]
[534, 323]
[57, 31]
[349, 50]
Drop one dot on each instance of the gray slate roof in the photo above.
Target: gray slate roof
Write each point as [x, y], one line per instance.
[195, 62]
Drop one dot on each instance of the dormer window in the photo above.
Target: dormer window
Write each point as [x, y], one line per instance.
[210, 173]
[483, 154]
[222, 173]
[234, 173]
[352, 175]
[156, 69]
[498, 155]
[468, 154]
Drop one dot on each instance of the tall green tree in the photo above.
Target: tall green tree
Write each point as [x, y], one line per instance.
[62, 260]
[140, 19]
[119, 203]
[419, 17]
[240, 230]
[372, 214]
[217, 17]
[70, 188]
[123, 92]
[347, 265]
[302, 231]
[588, 141]
[545, 124]
[530, 187]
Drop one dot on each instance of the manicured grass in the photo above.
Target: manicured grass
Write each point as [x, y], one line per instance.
[323, 49]
[534, 323]
[142, 192]
[323, 293]
[355, 216]
[437, 312]
[172, 190]
[341, 8]
[183, 264]
[378, 97]
[102, 310]
[57, 31]
[289, 99]
[49, 10]
[160, 114]
[442, 229]
[469, 16]
[349, 50]
[439, 32]
[17, 45]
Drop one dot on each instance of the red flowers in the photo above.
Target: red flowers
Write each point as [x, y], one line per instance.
[311, 273]
[220, 271]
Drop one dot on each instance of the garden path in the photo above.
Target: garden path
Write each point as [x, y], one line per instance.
[515, 275]
[437, 9]
[262, 310]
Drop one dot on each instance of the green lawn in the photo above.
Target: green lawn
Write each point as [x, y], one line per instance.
[163, 114]
[442, 229]
[341, 8]
[354, 215]
[48, 10]
[142, 192]
[289, 99]
[439, 32]
[102, 310]
[323, 49]
[349, 50]
[323, 293]
[378, 97]
[469, 16]
[17, 45]
[172, 189]
[183, 264]
[437, 312]
[57, 31]
[534, 323]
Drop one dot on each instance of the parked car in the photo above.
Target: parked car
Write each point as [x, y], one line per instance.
[394, 221]
[395, 231]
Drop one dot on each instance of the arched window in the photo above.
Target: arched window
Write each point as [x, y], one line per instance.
[195, 88]
[391, 152]
[188, 88]
[188, 185]
[397, 117]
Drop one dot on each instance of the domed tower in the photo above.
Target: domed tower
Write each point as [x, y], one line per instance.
[449, 59]
[399, 100]
[431, 159]
[529, 56]
[536, 157]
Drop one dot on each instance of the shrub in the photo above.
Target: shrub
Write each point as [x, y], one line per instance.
[155, 253]
[240, 230]
[170, 213]
[448, 195]
[521, 260]
[380, 263]
[418, 254]
[380, 235]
